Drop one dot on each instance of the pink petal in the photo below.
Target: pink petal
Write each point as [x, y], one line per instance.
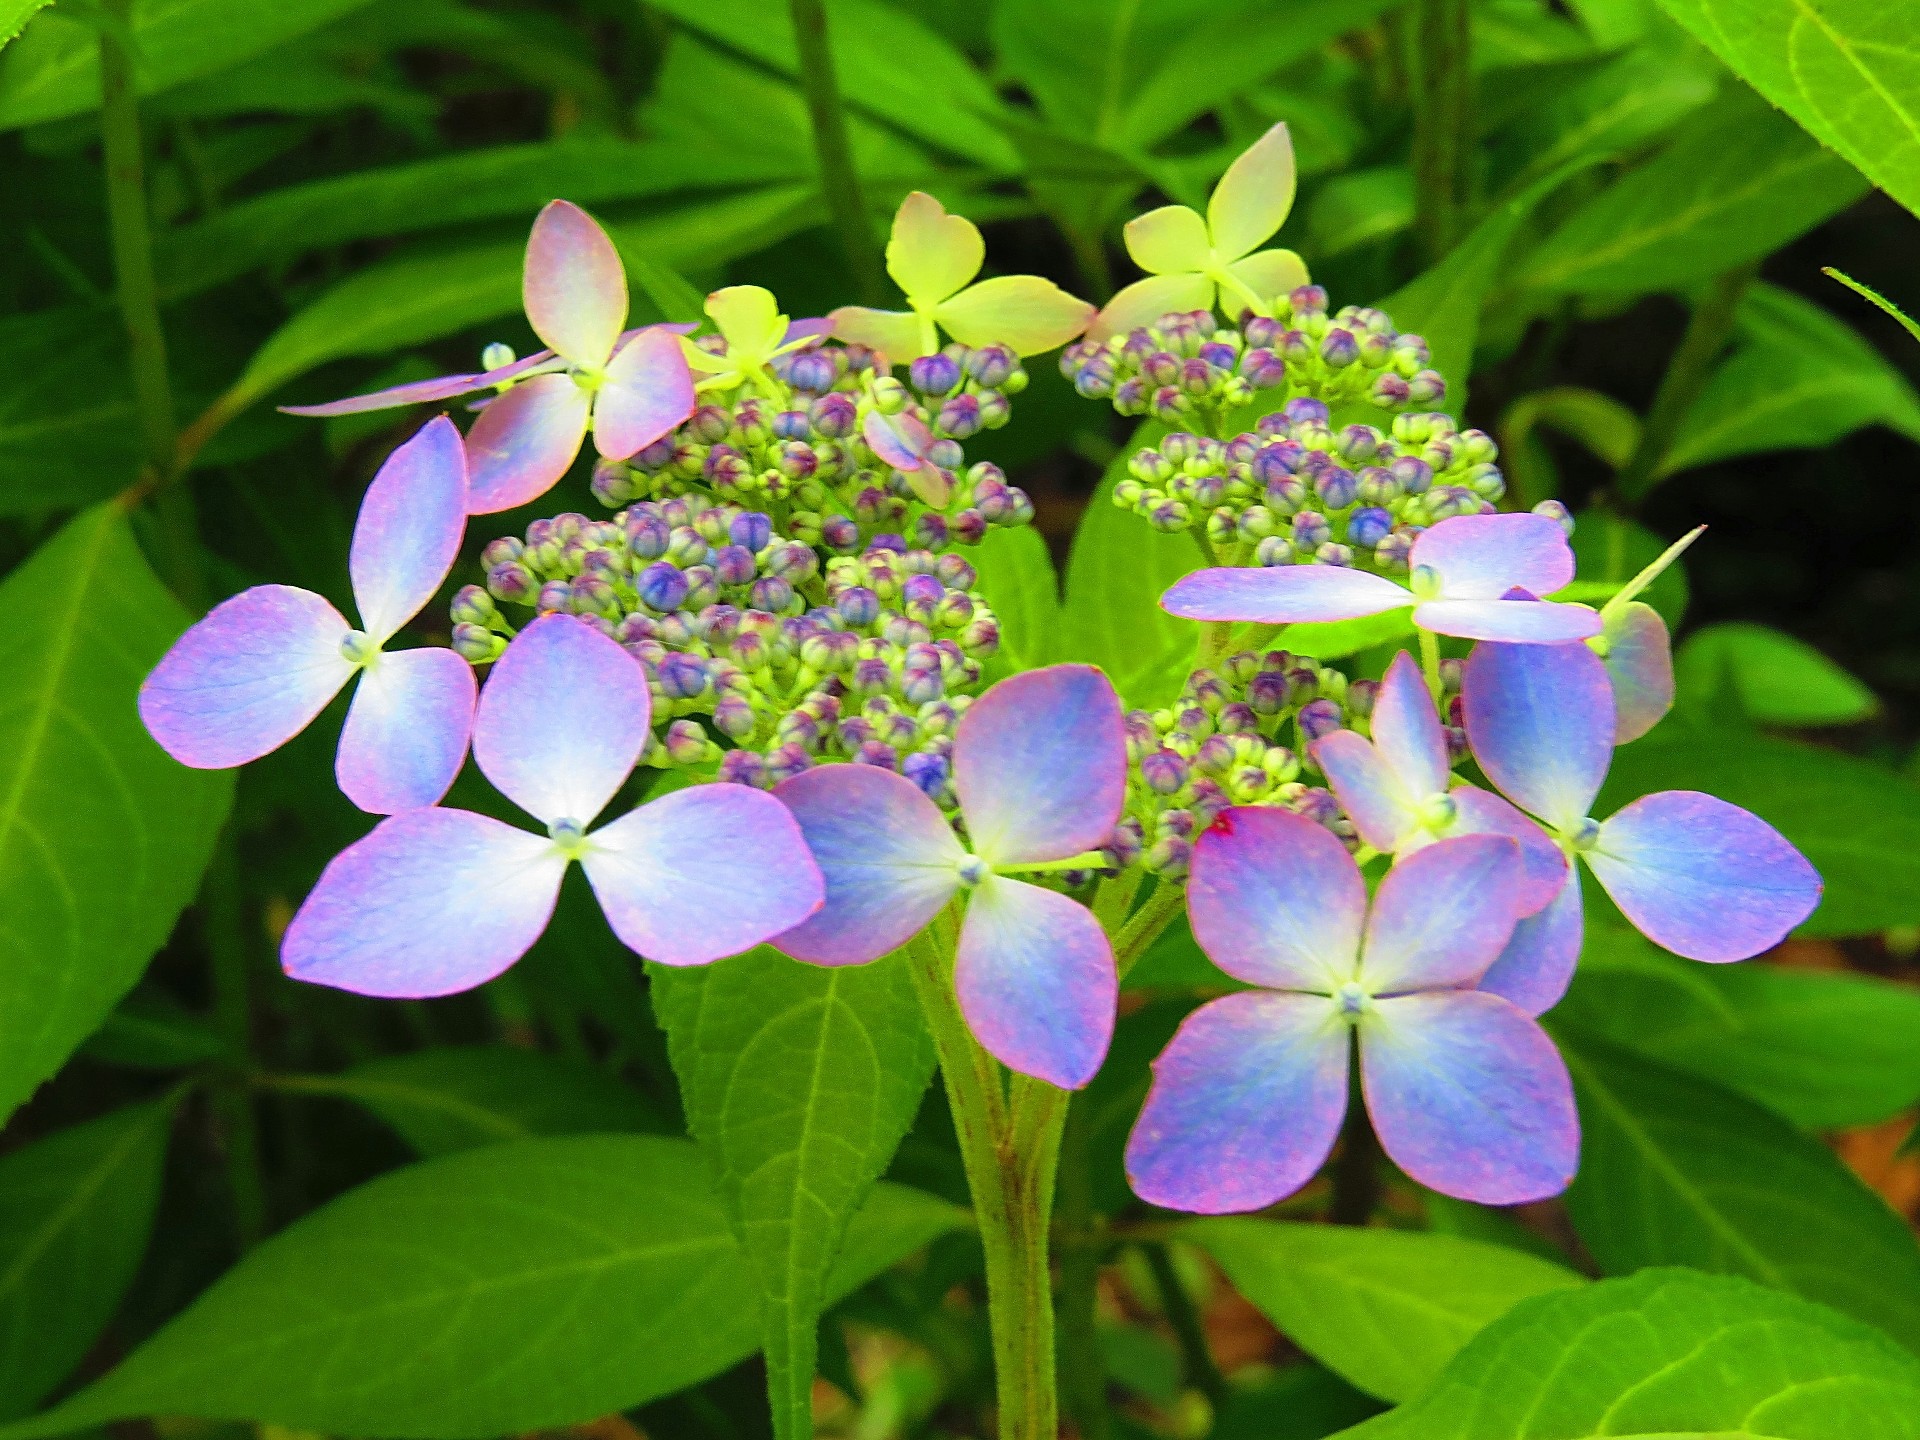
[1533, 972]
[702, 873]
[1407, 731]
[1469, 1097]
[1639, 661]
[899, 440]
[562, 721]
[817, 328]
[1539, 719]
[411, 524]
[1145, 301]
[1481, 557]
[1246, 1103]
[648, 391]
[1276, 900]
[1544, 867]
[406, 732]
[431, 903]
[573, 285]
[247, 678]
[1035, 977]
[1368, 789]
[1704, 878]
[1442, 915]
[889, 859]
[523, 442]
[1040, 765]
[1518, 622]
[1283, 594]
[421, 392]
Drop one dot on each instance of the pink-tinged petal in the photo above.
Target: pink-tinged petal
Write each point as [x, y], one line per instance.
[1706, 879]
[1283, 594]
[1469, 1097]
[1034, 973]
[1539, 719]
[931, 254]
[411, 524]
[1543, 864]
[1040, 765]
[1270, 274]
[896, 334]
[523, 442]
[648, 391]
[1172, 240]
[1253, 197]
[1407, 731]
[433, 902]
[562, 720]
[247, 678]
[889, 859]
[406, 732]
[1367, 788]
[422, 392]
[1276, 900]
[1533, 972]
[899, 440]
[1145, 301]
[702, 873]
[1025, 313]
[816, 329]
[1246, 1102]
[1639, 661]
[573, 286]
[1482, 557]
[1442, 915]
[1515, 622]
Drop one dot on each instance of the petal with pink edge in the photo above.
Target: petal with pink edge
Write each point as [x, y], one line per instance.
[247, 678]
[1025, 313]
[1639, 661]
[896, 334]
[1706, 879]
[899, 440]
[1368, 789]
[1172, 240]
[1539, 719]
[889, 859]
[1253, 197]
[1537, 966]
[1481, 557]
[406, 732]
[1035, 977]
[1516, 622]
[1469, 1097]
[1276, 900]
[1407, 731]
[1442, 915]
[1283, 594]
[702, 873]
[1040, 765]
[523, 442]
[411, 524]
[1543, 864]
[931, 254]
[648, 391]
[573, 286]
[433, 902]
[1246, 1102]
[422, 392]
[1145, 301]
[562, 720]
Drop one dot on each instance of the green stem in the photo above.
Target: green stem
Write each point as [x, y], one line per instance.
[1146, 923]
[1356, 1170]
[1083, 1372]
[1184, 1320]
[1442, 121]
[1430, 662]
[839, 179]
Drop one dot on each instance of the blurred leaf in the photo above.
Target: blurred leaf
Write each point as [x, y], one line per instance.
[1175, 961]
[1083, 63]
[1338, 639]
[1669, 1355]
[1142, 1362]
[1512, 34]
[76, 1209]
[1301, 1402]
[103, 837]
[1488, 1224]
[1359, 207]
[517, 1287]
[67, 431]
[1633, 98]
[1675, 1171]
[1611, 549]
[1778, 680]
[1016, 579]
[150, 1030]
[304, 79]
[1601, 424]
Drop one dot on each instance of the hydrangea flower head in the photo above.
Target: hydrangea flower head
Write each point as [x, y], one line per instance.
[257, 670]
[933, 257]
[1190, 260]
[439, 900]
[1039, 769]
[1467, 1093]
[754, 333]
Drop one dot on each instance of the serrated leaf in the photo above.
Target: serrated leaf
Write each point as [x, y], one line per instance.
[1777, 679]
[14, 15]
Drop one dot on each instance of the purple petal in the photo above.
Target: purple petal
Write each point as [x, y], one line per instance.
[1533, 972]
[1407, 731]
[522, 443]
[1040, 765]
[816, 328]
[1544, 867]
[900, 440]
[1517, 622]
[1035, 977]
[887, 854]
[1283, 594]
[1539, 719]
[1368, 789]
[1481, 557]
[1246, 1102]
[431, 903]
[411, 524]
[648, 391]
[573, 286]
[406, 732]
[1639, 661]
[1442, 915]
[1276, 900]
[421, 392]
[1469, 1097]
[562, 720]
[702, 873]
[1704, 878]
[247, 678]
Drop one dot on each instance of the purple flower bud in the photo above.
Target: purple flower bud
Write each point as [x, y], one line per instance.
[959, 417]
[1310, 530]
[1317, 805]
[1169, 856]
[743, 767]
[612, 483]
[686, 743]
[1336, 487]
[662, 587]
[555, 598]
[833, 416]
[934, 374]
[1367, 527]
[1308, 299]
[1305, 410]
[1392, 553]
[1164, 771]
[733, 565]
[991, 366]
[1318, 718]
[840, 534]
[811, 372]
[876, 753]
[1427, 387]
[1274, 550]
[1338, 349]
[1267, 693]
[1557, 512]
[980, 639]
[511, 581]
[927, 771]
[1389, 391]
[476, 644]
[1413, 475]
[682, 677]
[733, 717]
[774, 595]
[1361, 695]
[858, 606]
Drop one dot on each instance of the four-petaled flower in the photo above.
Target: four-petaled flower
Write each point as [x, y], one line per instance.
[748, 318]
[439, 900]
[1039, 766]
[257, 670]
[931, 257]
[1467, 1093]
[1474, 576]
[1190, 260]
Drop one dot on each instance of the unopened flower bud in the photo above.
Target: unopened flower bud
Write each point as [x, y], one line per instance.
[476, 644]
[1318, 718]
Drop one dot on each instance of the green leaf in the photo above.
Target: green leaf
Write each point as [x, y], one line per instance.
[1358, 208]
[799, 1082]
[102, 836]
[1301, 1402]
[1777, 679]
[1337, 639]
[1674, 1171]
[516, 1287]
[1083, 63]
[1601, 425]
[1016, 579]
[1384, 1309]
[1875, 298]
[68, 436]
[152, 1031]
[75, 1212]
[1669, 1355]
[14, 15]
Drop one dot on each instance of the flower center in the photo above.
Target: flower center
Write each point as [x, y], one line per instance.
[358, 648]
[972, 870]
[1424, 582]
[569, 837]
[1352, 1001]
[1438, 813]
[1582, 836]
